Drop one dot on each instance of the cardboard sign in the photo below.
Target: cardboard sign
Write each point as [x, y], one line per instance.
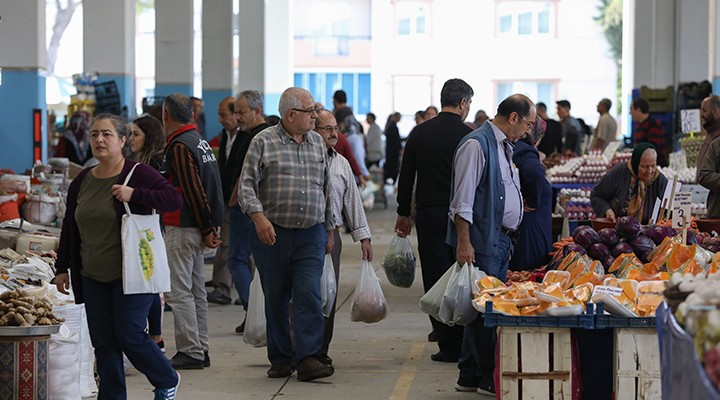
[682, 206]
[690, 120]
[678, 160]
[611, 149]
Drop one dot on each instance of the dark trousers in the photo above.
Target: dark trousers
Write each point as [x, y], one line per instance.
[117, 325]
[155, 317]
[477, 358]
[330, 319]
[435, 258]
[291, 269]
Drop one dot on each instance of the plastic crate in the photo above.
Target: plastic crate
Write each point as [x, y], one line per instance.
[682, 374]
[606, 321]
[585, 321]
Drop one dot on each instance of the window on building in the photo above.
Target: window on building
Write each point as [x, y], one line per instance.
[331, 25]
[322, 86]
[412, 17]
[524, 17]
[537, 91]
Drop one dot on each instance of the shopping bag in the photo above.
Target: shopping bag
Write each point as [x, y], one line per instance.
[328, 286]
[430, 302]
[456, 306]
[399, 262]
[369, 303]
[145, 263]
[255, 323]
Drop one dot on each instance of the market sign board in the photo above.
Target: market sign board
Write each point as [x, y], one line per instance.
[690, 120]
[682, 206]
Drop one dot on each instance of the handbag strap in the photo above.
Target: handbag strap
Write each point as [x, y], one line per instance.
[127, 179]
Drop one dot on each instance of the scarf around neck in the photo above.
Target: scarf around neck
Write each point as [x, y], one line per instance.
[637, 192]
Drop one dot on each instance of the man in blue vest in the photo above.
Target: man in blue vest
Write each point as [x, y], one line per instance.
[486, 208]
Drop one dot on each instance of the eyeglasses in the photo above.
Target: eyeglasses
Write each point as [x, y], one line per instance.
[329, 128]
[309, 110]
[529, 124]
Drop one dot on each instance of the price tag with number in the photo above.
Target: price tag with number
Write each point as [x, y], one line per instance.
[682, 207]
[690, 120]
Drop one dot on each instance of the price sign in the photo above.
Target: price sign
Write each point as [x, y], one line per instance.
[611, 290]
[678, 160]
[682, 205]
[690, 120]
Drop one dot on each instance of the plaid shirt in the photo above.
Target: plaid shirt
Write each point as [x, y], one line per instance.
[286, 180]
[344, 196]
[651, 131]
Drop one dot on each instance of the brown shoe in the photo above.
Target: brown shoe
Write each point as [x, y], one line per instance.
[280, 371]
[311, 368]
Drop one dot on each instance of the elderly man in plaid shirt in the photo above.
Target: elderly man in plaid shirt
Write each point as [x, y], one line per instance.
[284, 190]
[345, 201]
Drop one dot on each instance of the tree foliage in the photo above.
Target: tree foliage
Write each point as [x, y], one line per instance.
[611, 22]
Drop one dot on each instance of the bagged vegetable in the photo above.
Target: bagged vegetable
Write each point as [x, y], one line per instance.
[328, 286]
[456, 307]
[399, 262]
[255, 323]
[369, 303]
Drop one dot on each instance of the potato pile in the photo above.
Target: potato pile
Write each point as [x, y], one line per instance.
[17, 308]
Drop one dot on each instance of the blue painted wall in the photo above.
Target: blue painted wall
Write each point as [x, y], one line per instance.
[211, 99]
[166, 89]
[270, 103]
[21, 91]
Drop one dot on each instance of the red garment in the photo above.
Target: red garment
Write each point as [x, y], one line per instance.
[651, 131]
[343, 147]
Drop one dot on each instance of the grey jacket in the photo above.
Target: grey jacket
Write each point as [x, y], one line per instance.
[709, 177]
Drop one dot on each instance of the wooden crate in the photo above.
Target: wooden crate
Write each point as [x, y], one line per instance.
[535, 363]
[637, 364]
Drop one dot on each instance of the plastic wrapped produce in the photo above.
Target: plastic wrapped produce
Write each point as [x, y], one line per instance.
[399, 262]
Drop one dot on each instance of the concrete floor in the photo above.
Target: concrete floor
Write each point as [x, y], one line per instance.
[386, 360]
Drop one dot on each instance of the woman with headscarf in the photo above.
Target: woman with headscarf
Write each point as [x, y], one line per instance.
[75, 142]
[535, 232]
[632, 188]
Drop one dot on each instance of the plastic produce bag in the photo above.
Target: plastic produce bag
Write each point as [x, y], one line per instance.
[64, 365]
[456, 307]
[430, 302]
[328, 286]
[399, 262]
[255, 323]
[369, 303]
[76, 322]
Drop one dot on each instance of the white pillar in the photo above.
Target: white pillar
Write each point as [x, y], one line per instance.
[217, 59]
[23, 59]
[693, 41]
[173, 47]
[279, 60]
[109, 40]
[252, 43]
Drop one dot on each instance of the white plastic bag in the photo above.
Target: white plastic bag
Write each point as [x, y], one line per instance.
[145, 263]
[430, 302]
[64, 365]
[328, 286]
[255, 323]
[369, 303]
[76, 322]
[456, 307]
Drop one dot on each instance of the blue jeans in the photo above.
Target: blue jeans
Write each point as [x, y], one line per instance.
[117, 325]
[291, 269]
[239, 252]
[477, 354]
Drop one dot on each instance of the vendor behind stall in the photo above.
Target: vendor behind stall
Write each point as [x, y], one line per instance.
[630, 189]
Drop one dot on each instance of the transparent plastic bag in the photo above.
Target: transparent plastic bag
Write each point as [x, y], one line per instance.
[399, 262]
[255, 323]
[328, 286]
[369, 303]
[430, 302]
[456, 307]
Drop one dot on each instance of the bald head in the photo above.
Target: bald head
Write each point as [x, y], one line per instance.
[226, 114]
[297, 111]
[327, 127]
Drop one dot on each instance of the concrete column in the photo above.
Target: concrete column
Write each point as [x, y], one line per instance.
[693, 56]
[251, 64]
[109, 39]
[217, 59]
[173, 47]
[23, 59]
[715, 43]
[279, 60]
[652, 49]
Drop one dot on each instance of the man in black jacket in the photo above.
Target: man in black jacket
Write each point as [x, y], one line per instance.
[428, 157]
[227, 159]
[250, 120]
